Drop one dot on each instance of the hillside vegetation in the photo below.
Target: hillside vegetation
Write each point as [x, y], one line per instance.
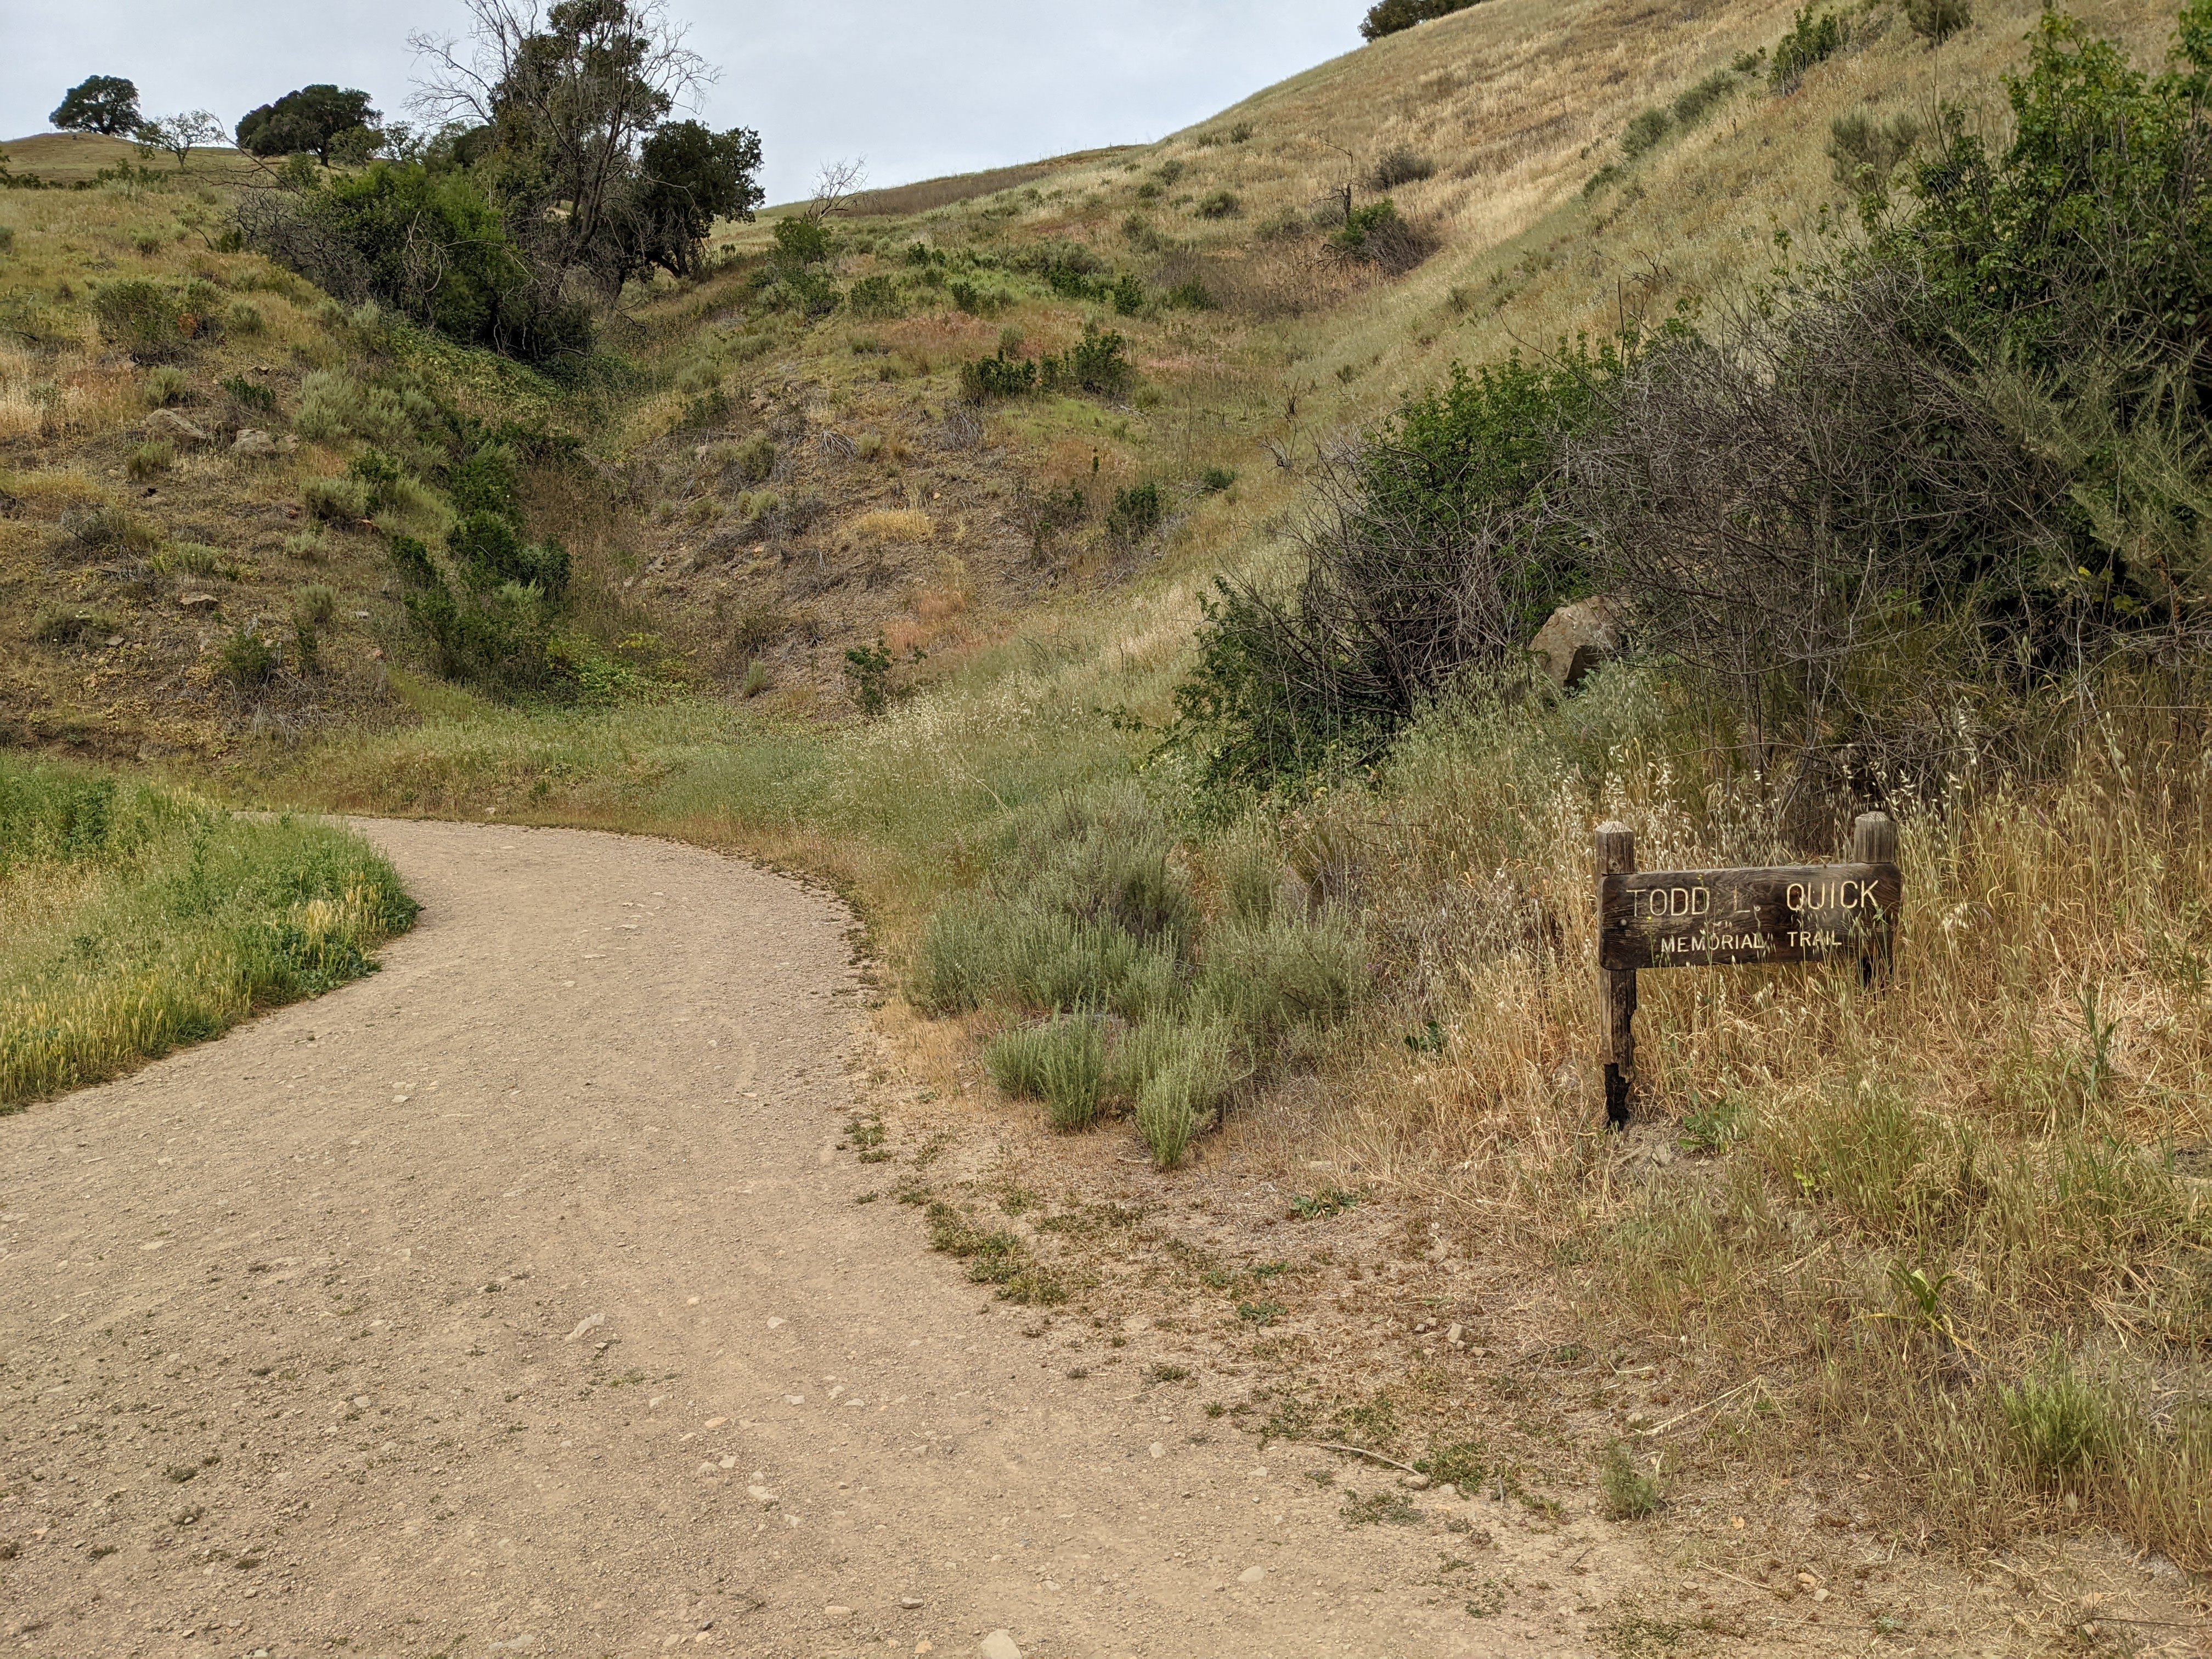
[137, 920]
[891, 545]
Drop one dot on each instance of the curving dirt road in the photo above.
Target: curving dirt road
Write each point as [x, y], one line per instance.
[515, 1299]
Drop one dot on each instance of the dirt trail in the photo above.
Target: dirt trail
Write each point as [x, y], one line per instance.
[515, 1299]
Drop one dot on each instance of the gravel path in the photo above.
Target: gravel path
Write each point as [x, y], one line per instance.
[515, 1299]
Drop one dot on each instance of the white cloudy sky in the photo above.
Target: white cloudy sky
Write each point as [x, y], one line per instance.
[919, 89]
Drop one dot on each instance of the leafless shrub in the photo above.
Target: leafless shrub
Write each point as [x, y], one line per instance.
[836, 445]
[1401, 593]
[961, 429]
[284, 225]
[1834, 531]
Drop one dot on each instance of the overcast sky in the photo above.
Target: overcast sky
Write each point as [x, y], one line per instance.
[919, 89]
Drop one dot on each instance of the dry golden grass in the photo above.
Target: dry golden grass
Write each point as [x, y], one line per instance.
[70, 158]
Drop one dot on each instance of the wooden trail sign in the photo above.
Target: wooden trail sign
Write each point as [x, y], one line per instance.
[1705, 918]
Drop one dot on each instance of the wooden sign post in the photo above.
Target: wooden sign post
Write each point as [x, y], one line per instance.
[1705, 918]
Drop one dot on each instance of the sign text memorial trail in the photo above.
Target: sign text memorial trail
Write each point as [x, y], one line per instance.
[1780, 915]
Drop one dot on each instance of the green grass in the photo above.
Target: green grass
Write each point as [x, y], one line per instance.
[134, 918]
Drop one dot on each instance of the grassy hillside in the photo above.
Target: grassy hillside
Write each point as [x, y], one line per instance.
[1932, 1264]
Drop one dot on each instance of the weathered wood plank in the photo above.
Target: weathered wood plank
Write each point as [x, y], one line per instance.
[1705, 918]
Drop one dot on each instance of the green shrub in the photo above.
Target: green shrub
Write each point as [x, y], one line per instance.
[1644, 132]
[65, 625]
[1192, 295]
[1216, 480]
[1937, 20]
[1062, 1062]
[335, 500]
[1811, 40]
[1127, 295]
[1389, 16]
[365, 233]
[315, 604]
[985, 378]
[2063, 1427]
[877, 296]
[251, 394]
[1867, 150]
[151, 460]
[1136, 513]
[244, 318]
[1399, 165]
[1220, 205]
[1094, 363]
[755, 457]
[1700, 100]
[167, 385]
[486, 482]
[978, 300]
[490, 551]
[140, 316]
[867, 671]
[1630, 1494]
[1447, 497]
[1268, 977]
[248, 659]
[1376, 235]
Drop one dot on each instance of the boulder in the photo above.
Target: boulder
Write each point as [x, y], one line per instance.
[253, 444]
[1578, 637]
[167, 424]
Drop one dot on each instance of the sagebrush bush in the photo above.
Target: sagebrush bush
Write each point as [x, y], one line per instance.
[150, 460]
[315, 604]
[755, 457]
[166, 385]
[1062, 1062]
[1269, 976]
[335, 500]
[1176, 1073]
[335, 405]
[980, 950]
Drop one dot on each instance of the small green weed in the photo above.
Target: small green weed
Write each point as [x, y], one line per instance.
[1630, 1493]
[1385, 1507]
